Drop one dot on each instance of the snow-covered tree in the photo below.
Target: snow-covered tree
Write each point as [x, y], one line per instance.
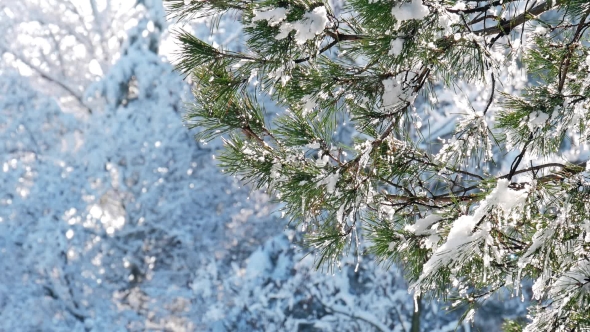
[504, 198]
[107, 220]
[64, 45]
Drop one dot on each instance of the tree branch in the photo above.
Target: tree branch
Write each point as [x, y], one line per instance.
[505, 27]
[50, 78]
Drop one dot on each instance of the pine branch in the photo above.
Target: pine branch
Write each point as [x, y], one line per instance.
[506, 26]
[387, 178]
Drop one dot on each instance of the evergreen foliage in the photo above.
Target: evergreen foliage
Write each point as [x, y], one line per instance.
[504, 198]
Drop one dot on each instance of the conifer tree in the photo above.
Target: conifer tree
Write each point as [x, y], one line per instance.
[503, 198]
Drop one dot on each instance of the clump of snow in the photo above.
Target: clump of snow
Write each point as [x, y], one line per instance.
[538, 286]
[314, 145]
[432, 240]
[322, 160]
[392, 92]
[414, 10]
[459, 6]
[273, 16]
[540, 30]
[506, 198]
[537, 119]
[312, 24]
[275, 170]
[421, 226]
[309, 105]
[330, 181]
[461, 233]
[447, 19]
[469, 230]
[539, 239]
[396, 47]
[282, 73]
[571, 280]
[366, 149]
[426, 226]
[388, 210]
[395, 93]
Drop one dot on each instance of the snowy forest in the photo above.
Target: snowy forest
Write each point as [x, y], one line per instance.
[121, 212]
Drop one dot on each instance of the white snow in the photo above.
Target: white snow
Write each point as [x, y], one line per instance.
[571, 280]
[281, 73]
[426, 226]
[463, 235]
[394, 91]
[422, 225]
[273, 16]
[312, 24]
[309, 104]
[396, 47]
[94, 67]
[537, 119]
[314, 145]
[414, 10]
[275, 171]
[330, 181]
[322, 160]
[506, 198]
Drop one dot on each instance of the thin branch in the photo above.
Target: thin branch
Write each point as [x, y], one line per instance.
[505, 27]
[577, 168]
[324, 49]
[342, 37]
[565, 63]
[478, 9]
[518, 158]
[532, 169]
[435, 199]
[491, 95]
[50, 78]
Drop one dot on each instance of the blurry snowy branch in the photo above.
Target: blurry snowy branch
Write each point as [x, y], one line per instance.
[105, 217]
[64, 44]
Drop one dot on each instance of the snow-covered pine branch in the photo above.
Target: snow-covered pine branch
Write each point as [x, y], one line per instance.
[503, 197]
